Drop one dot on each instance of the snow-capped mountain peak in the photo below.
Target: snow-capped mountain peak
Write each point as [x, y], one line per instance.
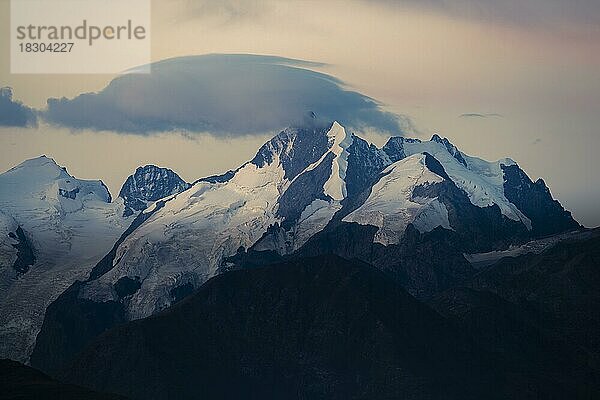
[336, 152]
[34, 171]
[41, 180]
[481, 180]
[452, 149]
[55, 228]
[296, 148]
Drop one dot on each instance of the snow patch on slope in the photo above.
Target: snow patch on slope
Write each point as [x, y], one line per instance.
[391, 205]
[433, 214]
[338, 141]
[536, 246]
[314, 218]
[335, 187]
[483, 181]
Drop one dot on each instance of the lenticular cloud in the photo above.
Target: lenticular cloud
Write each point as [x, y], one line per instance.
[225, 95]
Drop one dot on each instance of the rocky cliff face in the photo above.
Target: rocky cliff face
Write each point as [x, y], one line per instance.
[148, 184]
[534, 199]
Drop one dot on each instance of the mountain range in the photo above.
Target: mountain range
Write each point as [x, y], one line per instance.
[54, 230]
[420, 220]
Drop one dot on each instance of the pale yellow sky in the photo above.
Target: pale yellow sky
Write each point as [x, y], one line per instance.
[432, 64]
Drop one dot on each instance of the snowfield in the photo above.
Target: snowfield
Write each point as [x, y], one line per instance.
[70, 223]
[391, 205]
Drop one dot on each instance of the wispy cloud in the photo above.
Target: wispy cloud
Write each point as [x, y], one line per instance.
[525, 12]
[225, 95]
[479, 115]
[226, 11]
[574, 16]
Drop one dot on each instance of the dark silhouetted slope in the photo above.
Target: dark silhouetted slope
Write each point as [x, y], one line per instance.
[311, 328]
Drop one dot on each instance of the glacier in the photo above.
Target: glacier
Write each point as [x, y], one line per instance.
[70, 224]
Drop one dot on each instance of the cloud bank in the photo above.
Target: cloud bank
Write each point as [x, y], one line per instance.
[226, 95]
[575, 16]
[13, 113]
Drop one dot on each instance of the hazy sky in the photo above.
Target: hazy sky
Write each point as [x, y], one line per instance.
[511, 78]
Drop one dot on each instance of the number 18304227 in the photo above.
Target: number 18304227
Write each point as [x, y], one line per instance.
[36, 47]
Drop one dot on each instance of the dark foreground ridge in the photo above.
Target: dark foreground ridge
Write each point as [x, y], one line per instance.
[309, 328]
[18, 381]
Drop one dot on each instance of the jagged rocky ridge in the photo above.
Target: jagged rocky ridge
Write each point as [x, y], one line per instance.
[149, 184]
[411, 208]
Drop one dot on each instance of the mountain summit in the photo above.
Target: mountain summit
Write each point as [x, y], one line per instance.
[54, 229]
[148, 184]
